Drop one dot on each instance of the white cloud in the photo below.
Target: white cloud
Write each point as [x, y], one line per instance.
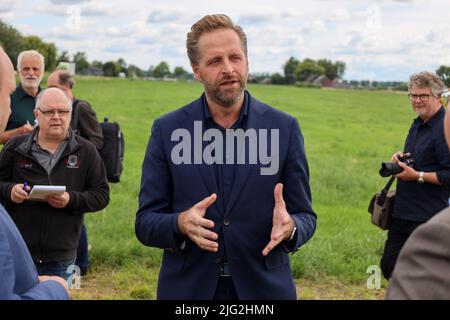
[388, 38]
[49, 9]
[98, 8]
[134, 29]
[83, 8]
[62, 33]
[259, 17]
[6, 6]
[340, 15]
[69, 2]
[7, 17]
[166, 15]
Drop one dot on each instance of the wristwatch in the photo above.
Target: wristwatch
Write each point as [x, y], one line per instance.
[292, 234]
[420, 179]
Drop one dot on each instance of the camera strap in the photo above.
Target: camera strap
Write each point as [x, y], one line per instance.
[388, 185]
[384, 191]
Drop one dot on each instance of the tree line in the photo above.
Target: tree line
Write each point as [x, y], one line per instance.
[13, 42]
[114, 68]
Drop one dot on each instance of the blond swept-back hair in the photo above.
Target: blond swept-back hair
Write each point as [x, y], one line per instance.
[427, 79]
[211, 23]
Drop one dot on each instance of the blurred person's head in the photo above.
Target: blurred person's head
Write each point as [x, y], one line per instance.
[30, 65]
[62, 80]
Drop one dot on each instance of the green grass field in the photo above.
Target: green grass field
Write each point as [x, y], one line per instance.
[347, 135]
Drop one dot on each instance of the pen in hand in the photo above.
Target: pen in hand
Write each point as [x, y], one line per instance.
[24, 186]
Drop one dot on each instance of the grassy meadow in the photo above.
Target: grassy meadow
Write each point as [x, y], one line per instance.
[347, 135]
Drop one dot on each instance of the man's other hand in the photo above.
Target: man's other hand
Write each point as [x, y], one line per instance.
[282, 224]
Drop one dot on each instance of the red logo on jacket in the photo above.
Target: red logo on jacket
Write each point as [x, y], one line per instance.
[24, 164]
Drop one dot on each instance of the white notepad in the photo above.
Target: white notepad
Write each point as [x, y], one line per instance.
[39, 192]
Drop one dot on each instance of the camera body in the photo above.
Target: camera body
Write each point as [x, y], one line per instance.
[391, 168]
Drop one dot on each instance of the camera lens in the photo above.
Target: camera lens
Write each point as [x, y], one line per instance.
[389, 168]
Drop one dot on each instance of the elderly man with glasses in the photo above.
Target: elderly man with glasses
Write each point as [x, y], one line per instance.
[424, 188]
[52, 155]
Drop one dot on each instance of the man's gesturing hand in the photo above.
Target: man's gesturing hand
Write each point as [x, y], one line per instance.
[282, 223]
[193, 224]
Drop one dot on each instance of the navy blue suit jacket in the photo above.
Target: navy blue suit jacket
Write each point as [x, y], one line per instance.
[18, 275]
[168, 189]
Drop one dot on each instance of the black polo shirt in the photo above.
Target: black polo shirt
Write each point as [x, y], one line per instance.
[416, 201]
[22, 106]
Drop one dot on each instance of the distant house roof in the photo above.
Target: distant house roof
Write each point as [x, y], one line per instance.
[324, 81]
[311, 78]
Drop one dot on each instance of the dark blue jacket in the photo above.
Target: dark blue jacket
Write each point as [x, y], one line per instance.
[168, 189]
[18, 275]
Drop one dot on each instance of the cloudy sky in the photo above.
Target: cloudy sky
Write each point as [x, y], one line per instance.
[378, 40]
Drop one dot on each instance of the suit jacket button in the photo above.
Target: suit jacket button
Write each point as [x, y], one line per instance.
[217, 260]
[226, 222]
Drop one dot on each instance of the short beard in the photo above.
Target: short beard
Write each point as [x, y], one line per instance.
[222, 99]
[35, 85]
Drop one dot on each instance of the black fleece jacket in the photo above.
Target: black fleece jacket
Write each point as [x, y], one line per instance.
[52, 234]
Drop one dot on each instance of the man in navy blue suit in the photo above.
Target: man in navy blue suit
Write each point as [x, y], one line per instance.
[225, 182]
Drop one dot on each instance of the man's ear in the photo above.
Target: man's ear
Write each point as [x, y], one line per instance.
[196, 72]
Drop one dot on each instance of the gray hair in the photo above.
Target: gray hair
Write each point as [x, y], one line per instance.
[427, 79]
[30, 53]
[43, 92]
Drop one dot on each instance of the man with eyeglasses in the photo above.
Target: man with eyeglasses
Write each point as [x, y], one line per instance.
[52, 155]
[84, 122]
[30, 65]
[422, 269]
[424, 189]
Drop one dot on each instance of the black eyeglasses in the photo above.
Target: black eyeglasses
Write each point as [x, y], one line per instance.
[421, 97]
[52, 113]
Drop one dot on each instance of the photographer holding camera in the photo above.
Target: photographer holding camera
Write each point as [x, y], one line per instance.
[422, 169]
